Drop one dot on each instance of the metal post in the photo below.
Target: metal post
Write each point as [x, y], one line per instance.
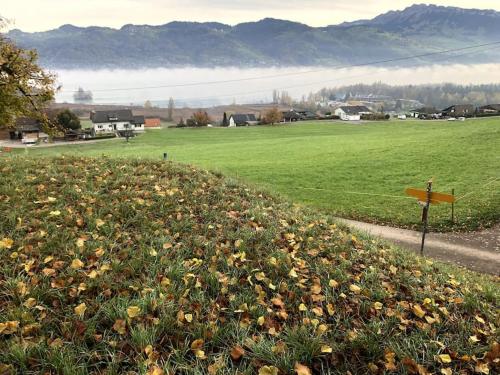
[453, 208]
[425, 215]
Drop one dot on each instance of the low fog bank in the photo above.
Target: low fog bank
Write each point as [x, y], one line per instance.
[239, 86]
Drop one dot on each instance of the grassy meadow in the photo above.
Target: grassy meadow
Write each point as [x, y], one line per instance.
[357, 171]
[114, 266]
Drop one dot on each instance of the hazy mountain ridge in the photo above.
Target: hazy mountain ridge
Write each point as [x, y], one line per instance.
[415, 30]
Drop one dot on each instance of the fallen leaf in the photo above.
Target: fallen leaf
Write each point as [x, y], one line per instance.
[302, 370]
[355, 289]
[6, 243]
[76, 264]
[9, 327]
[237, 352]
[444, 358]
[417, 310]
[197, 344]
[268, 370]
[326, 349]
[80, 309]
[120, 326]
[155, 370]
[133, 311]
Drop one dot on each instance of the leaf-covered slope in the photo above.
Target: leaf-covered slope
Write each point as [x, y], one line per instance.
[115, 266]
[415, 30]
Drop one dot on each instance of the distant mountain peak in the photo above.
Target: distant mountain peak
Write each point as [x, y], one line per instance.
[268, 42]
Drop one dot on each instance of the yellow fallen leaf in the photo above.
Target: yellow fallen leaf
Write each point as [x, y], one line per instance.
[318, 311]
[197, 344]
[30, 302]
[99, 252]
[333, 283]
[326, 349]
[302, 307]
[268, 370]
[302, 370]
[417, 310]
[444, 358]
[76, 264]
[260, 320]
[479, 319]
[155, 370]
[355, 289]
[133, 311]
[378, 306]
[293, 273]
[200, 354]
[188, 317]
[167, 245]
[6, 243]
[482, 368]
[80, 309]
[260, 276]
[446, 371]
[153, 252]
[93, 274]
[54, 213]
[99, 223]
[9, 327]
[80, 242]
[473, 339]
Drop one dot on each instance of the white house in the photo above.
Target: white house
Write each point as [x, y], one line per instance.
[116, 122]
[352, 112]
[242, 120]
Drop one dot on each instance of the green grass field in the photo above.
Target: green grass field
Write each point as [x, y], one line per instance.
[350, 170]
[114, 266]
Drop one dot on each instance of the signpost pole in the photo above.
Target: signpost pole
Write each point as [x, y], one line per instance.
[453, 208]
[425, 215]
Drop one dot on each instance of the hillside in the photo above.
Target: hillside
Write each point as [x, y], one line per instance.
[152, 267]
[415, 30]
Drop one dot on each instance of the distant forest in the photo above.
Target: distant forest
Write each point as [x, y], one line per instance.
[436, 95]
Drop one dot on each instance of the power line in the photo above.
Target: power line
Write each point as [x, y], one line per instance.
[288, 87]
[300, 72]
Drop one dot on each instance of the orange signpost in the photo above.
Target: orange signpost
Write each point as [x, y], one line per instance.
[428, 197]
[435, 198]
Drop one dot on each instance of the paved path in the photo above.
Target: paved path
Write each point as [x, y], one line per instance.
[478, 251]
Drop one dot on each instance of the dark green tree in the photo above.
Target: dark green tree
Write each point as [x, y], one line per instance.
[225, 121]
[68, 120]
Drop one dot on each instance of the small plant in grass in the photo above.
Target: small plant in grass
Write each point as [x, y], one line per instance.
[114, 266]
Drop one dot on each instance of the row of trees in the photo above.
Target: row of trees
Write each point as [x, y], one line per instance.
[201, 118]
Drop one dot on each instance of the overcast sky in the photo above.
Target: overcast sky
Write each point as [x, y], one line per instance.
[39, 15]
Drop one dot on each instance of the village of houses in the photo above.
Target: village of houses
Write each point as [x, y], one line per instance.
[123, 122]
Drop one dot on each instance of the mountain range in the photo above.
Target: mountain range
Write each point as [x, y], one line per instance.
[416, 30]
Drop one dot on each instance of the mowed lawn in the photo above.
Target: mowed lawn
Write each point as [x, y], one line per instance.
[356, 171]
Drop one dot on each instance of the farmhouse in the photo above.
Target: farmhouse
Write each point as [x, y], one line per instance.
[489, 109]
[117, 122]
[307, 115]
[352, 112]
[152, 123]
[291, 116]
[242, 120]
[425, 113]
[28, 131]
[139, 124]
[460, 110]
